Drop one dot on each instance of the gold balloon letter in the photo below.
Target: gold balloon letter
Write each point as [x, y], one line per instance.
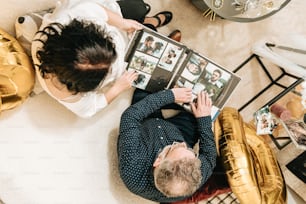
[16, 73]
[251, 167]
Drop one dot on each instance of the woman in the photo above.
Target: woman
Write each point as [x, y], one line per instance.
[79, 51]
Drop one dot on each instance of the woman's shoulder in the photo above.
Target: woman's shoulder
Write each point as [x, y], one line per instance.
[59, 91]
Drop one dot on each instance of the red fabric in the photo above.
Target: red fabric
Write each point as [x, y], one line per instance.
[217, 184]
[210, 189]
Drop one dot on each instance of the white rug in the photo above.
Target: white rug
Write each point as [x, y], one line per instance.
[49, 156]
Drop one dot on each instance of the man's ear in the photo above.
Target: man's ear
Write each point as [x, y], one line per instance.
[157, 162]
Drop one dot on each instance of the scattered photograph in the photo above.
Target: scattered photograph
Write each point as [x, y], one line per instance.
[297, 132]
[265, 121]
[151, 45]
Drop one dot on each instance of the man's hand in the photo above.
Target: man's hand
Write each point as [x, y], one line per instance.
[203, 105]
[182, 95]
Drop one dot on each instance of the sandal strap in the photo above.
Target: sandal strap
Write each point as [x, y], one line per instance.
[158, 19]
[148, 7]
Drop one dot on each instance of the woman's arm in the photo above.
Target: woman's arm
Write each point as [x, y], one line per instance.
[122, 83]
[118, 21]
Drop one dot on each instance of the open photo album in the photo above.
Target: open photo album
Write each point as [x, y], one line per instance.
[163, 63]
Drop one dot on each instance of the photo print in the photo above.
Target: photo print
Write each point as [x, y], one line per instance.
[170, 57]
[143, 63]
[265, 122]
[297, 132]
[194, 68]
[142, 80]
[213, 80]
[181, 82]
[151, 45]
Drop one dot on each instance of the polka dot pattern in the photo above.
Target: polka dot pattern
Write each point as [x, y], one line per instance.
[141, 139]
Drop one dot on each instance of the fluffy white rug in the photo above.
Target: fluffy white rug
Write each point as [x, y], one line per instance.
[49, 156]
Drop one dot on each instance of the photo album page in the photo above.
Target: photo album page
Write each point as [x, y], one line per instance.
[163, 63]
[155, 58]
[201, 74]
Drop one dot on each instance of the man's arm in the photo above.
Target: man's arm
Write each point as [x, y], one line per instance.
[131, 151]
[207, 146]
[133, 116]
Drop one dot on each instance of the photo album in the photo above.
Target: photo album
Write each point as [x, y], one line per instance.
[163, 63]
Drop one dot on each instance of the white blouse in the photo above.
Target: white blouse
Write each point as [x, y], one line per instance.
[90, 10]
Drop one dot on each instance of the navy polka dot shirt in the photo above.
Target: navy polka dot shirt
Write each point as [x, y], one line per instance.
[141, 138]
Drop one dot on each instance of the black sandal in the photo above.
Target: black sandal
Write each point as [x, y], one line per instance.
[148, 7]
[168, 17]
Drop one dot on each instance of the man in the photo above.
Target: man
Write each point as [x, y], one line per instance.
[156, 159]
[214, 79]
[213, 85]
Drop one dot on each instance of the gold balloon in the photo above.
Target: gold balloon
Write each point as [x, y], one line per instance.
[251, 167]
[17, 76]
[269, 176]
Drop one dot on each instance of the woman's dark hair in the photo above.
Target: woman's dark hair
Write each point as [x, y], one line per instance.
[79, 54]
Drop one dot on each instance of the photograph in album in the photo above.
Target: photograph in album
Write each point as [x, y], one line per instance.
[163, 63]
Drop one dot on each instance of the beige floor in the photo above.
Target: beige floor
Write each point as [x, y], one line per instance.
[47, 155]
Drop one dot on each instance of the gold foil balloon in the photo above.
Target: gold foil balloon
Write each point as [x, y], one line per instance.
[251, 167]
[16, 73]
[236, 157]
[269, 176]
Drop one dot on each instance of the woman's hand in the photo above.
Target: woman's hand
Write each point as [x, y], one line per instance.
[203, 105]
[122, 83]
[125, 81]
[182, 95]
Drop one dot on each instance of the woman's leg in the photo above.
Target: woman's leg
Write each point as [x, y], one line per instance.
[133, 9]
[137, 10]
